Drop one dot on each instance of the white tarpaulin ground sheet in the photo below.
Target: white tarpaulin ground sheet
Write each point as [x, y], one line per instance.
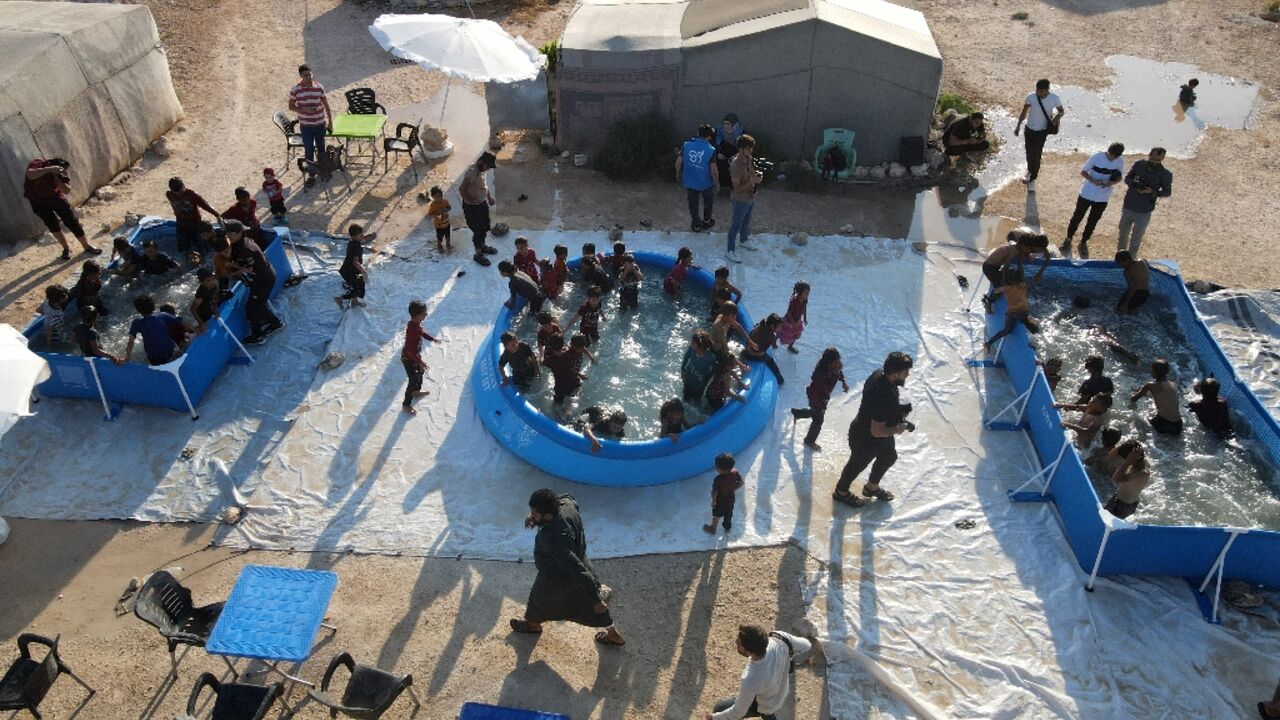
[1247, 326]
[991, 621]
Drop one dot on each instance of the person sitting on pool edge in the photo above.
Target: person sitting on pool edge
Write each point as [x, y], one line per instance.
[1021, 246]
[595, 424]
[1091, 422]
[672, 420]
[719, 390]
[1211, 410]
[765, 337]
[1017, 308]
[1130, 478]
[521, 286]
[523, 362]
[1137, 282]
[1164, 394]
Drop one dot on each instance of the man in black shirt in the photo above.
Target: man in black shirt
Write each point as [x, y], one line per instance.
[1148, 181]
[521, 358]
[247, 256]
[879, 420]
[966, 134]
[521, 285]
[154, 262]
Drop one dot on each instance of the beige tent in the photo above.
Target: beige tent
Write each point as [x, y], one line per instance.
[87, 82]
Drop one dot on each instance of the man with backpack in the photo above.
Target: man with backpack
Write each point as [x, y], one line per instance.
[1042, 111]
[766, 680]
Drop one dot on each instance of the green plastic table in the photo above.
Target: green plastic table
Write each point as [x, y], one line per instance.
[361, 128]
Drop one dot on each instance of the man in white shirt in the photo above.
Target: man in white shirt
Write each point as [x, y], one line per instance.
[1101, 172]
[1041, 111]
[766, 681]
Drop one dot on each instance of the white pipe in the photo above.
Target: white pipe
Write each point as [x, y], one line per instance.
[106, 408]
[1097, 561]
[234, 339]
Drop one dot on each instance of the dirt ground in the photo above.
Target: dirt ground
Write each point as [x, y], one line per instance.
[445, 620]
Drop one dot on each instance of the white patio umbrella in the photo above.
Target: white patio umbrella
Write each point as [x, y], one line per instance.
[20, 371]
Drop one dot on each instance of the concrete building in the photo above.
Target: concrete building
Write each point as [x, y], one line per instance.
[86, 82]
[788, 68]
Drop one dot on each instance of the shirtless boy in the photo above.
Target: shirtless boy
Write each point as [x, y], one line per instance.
[1091, 422]
[1022, 245]
[1137, 282]
[1164, 394]
[1130, 478]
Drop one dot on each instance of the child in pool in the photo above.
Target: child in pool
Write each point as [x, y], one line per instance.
[720, 329]
[1096, 382]
[526, 260]
[156, 330]
[154, 262]
[765, 336]
[562, 263]
[128, 267]
[719, 389]
[629, 278]
[1091, 422]
[523, 362]
[596, 424]
[674, 281]
[828, 372]
[438, 210]
[590, 313]
[1210, 409]
[671, 419]
[1053, 372]
[1164, 394]
[88, 288]
[205, 304]
[723, 289]
[1017, 309]
[1102, 459]
[1130, 478]
[53, 310]
[594, 275]
[589, 251]
[1021, 245]
[1137, 282]
[724, 490]
[87, 337]
[572, 356]
[1115, 345]
[796, 318]
[548, 279]
[616, 260]
[698, 366]
[179, 332]
[547, 328]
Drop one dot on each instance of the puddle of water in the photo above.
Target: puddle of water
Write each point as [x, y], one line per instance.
[1139, 109]
[947, 216]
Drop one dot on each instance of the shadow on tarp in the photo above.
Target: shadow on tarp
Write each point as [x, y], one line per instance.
[1184, 551]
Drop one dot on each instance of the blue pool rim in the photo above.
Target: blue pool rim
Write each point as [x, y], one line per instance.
[1176, 550]
[559, 451]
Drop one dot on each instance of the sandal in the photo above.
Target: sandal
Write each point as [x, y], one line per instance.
[878, 493]
[522, 626]
[848, 499]
[602, 637]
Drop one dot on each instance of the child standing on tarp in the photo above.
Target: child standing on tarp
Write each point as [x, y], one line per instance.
[828, 372]
[411, 355]
[796, 318]
[724, 491]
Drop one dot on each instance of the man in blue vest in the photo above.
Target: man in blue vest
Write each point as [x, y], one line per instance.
[696, 170]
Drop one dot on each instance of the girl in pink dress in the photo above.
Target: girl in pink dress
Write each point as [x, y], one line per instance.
[797, 317]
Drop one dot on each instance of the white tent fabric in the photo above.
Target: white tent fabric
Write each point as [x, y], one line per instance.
[20, 371]
[462, 48]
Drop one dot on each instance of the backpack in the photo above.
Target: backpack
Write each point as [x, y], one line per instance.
[834, 159]
[328, 162]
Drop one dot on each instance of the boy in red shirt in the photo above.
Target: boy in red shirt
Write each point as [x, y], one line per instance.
[411, 355]
[274, 191]
[723, 493]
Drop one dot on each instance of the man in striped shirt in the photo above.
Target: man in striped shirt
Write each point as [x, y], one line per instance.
[314, 118]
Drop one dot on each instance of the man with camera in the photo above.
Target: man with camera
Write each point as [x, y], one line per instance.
[881, 418]
[1102, 171]
[45, 187]
[746, 180]
[1148, 181]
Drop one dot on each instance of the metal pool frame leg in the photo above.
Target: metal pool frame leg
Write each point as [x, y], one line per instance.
[1110, 523]
[234, 339]
[1020, 403]
[1215, 574]
[102, 394]
[172, 368]
[1047, 473]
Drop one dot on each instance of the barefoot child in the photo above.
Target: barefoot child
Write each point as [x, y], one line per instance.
[548, 279]
[156, 331]
[438, 210]
[526, 259]
[352, 271]
[629, 277]
[595, 424]
[205, 304]
[1053, 372]
[615, 261]
[719, 390]
[1021, 246]
[53, 310]
[1096, 382]
[1017, 309]
[1210, 409]
[128, 267]
[720, 329]
[88, 288]
[698, 366]
[414, 366]
[671, 419]
[87, 337]
[1137, 282]
[594, 274]
[828, 372]
[765, 337]
[523, 362]
[590, 313]
[274, 191]
[1091, 422]
[674, 280]
[724, 491]
[796, 318]
[521, 286]
[723, 290]
[1130, 478]
[547, 328]
[1164, 394]
[1102, 458]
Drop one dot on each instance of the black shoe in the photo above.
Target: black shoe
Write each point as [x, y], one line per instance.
[481, 259]
[1084, 249]
[66, 255]
[1065, 248]
[708, 223]
[310, 182]
[253, 340]
[696, 227]
[271, 329]
[727, 527]
[94, 251]
[487, 250]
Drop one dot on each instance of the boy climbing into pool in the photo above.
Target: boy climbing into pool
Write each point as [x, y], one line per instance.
[521, 286]
[523, 362]
[629, 278]
[1210, 409]
[1130, 479]
[723, 290]
[1017, 309]
[411, 355]
[1137, 281]
[590, 313]
[1091, 422]
[1021, 246]
[765, 337]
[724, 490]
[1164, 394]
[719, 390]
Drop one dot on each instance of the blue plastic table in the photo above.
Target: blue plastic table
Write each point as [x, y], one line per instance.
[479, 711]
[273, 615]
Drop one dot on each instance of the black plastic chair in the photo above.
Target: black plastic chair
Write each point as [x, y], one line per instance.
[292, 138]
[28, 681]
[403, 143]
[363, 101]
[235, 701]
[164, 603]
[369, 692]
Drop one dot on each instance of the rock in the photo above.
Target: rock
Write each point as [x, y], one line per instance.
[105, 228]
[161, 148]
[800, 238]
[948, 117]
[91, 202]
[433, 138]
[106, 194]
[580, 160]
[846, 229]
[565, 154]
[920, 246]
[934, 158]
[120, 179]
[877, 173]
[500, 230]
[131, 218]
[896, 170]
[615, 234]
[332, 360]
[920, 170]
[861, 172]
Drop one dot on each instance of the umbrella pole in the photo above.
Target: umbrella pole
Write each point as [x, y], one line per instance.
[448, 84]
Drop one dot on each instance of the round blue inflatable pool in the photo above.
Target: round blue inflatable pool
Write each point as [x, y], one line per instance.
[558, 450]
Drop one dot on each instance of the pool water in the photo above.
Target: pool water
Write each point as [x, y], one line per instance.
[176, 287]
[1196, 478]
[639, 352]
